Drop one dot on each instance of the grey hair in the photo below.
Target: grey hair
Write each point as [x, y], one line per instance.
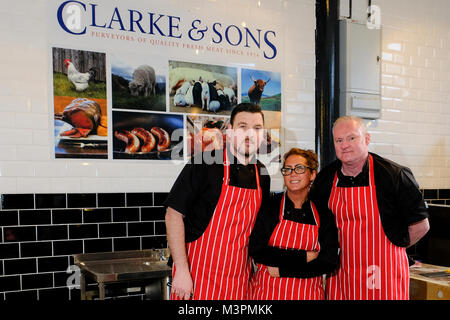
[358, 120]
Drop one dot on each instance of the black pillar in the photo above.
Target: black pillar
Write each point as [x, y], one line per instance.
[327, 77]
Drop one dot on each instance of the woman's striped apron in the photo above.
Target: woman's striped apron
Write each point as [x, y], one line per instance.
[290, 235]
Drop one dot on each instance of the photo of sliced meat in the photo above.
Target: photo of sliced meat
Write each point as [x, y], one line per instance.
[83, 114]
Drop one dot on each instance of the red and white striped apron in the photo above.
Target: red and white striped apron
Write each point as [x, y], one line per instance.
[371, 267]
[295, 236]
[219, 263]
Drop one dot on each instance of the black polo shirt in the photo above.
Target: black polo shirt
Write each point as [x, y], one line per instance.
[292, 263]
[197, 189]
[400, 201]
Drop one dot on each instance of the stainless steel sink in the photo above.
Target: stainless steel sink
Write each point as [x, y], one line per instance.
[110, 267]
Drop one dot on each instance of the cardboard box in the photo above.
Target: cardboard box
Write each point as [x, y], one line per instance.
[429, 282]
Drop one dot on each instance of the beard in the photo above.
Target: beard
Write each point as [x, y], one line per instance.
[247, 151]
[244, 147]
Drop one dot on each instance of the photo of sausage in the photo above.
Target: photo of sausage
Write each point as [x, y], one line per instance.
[163, 138]
[132, 142]
[148, 140]
[159, 136]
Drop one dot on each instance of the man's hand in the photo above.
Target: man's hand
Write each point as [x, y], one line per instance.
[182, 284]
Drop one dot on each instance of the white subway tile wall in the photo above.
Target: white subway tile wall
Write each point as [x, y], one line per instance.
[414, 128]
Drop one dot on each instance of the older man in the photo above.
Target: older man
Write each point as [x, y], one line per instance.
[379, 211]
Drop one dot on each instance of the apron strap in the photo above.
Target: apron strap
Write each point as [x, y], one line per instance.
[226, 171]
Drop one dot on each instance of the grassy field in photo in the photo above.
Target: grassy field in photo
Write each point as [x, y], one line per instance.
[122, 99]
[63, 87]
[272, 103]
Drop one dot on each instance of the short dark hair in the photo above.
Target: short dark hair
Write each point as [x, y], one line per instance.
[245, 107]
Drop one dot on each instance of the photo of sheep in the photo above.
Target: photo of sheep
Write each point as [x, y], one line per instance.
[202, 88]
[138, 83]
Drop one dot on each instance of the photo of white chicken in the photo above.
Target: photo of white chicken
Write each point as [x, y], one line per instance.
[79, 79]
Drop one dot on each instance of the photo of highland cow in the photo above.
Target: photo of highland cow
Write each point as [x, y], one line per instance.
[138, 84]
[202, 88]
[262, 88]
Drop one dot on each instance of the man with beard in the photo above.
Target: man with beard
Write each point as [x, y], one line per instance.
[211, 211]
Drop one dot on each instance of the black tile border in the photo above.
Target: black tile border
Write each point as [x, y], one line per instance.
[50, 200]
[17, 201]
[40, 233]
[436, 196]
[82, 200]
[110, 200]
[444, 194]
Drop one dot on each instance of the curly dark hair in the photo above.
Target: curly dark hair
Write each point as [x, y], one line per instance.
[310, 156]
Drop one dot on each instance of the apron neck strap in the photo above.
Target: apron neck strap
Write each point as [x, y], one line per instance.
[226, 170]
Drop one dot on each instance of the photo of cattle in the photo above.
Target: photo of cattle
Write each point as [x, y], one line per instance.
[138, 83]
[147, 136]
[79, 104]
[202, 88]
[262, 88]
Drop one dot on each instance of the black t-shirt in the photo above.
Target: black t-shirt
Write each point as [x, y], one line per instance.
[197, 189]
[292, 263]
[400, 201]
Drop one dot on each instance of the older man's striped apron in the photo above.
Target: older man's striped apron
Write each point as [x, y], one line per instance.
[371, 267]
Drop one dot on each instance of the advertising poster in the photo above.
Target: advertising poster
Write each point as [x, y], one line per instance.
[157, 82]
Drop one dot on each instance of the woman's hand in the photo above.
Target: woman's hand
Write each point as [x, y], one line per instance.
[311, 255]
[182, 284]
[273, 271]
